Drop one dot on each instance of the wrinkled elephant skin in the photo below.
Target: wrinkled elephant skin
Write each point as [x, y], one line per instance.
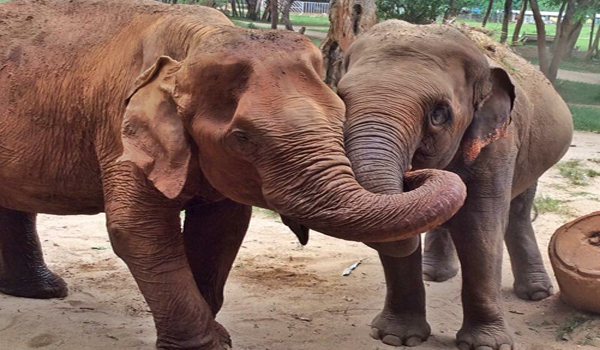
[142, 110]
[447, 97]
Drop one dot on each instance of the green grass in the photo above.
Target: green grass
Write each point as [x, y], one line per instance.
[547, 204]
[565, 332]
[310, 20]
[574, 64]
[575, 172]
[586, 118]
[297, 20]
[579, 93]
[322, 30]
[529, 28]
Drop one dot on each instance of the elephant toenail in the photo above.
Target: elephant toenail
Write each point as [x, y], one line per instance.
[539, 296]
[392, 340]
[375, 333]
[484, 348]
[413, 341]
[505, 347]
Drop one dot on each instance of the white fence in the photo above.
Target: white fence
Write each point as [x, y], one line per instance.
[301, 7]
[312, 7]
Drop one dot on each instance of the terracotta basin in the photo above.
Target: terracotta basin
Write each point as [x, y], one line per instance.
[575, 256]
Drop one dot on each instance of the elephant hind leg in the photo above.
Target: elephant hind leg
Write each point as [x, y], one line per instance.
[23, 272]
[440, 262]
[531, 279]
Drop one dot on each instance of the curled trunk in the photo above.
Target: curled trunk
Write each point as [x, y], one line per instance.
[328, 198]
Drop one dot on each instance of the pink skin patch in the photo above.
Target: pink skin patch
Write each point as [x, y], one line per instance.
[472, 149]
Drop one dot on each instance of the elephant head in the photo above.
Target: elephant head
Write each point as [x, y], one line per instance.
[419, 97]
[250, 105]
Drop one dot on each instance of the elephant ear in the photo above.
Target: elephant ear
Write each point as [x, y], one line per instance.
[153, 134]
[299, 230]
[492, 117]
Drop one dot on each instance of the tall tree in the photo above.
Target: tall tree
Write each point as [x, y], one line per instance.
[234, 12]
[592, 31]
[593, 51]
[348, 19]
[274, 14]
[570, 28]
[252, 12]
[519, 24]
[488, 11]
[285, 14]
[541, 34]
[506, 20]
[561, 12]
[452, 11]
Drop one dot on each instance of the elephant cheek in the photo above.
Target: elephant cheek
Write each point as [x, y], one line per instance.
[473, 147]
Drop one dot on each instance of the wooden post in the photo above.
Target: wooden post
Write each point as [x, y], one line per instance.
[348, 19]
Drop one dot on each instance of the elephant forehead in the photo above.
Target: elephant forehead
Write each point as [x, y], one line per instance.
[266, 43]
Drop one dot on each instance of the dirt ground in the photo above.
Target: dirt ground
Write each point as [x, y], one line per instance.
[282, 296]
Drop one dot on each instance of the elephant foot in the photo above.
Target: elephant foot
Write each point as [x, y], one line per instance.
[533, 286]
[493, 336]
[223, 342]
[400, 329]
[439, 268]
[46, 285]
[224, 336]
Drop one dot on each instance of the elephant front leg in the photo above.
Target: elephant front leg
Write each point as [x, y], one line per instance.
[23, 272]
[477, 231]
[213, 234]
[146, 233]
[402, 320]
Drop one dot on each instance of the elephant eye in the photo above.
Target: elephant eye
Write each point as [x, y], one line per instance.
[242, 142]
[440, 115]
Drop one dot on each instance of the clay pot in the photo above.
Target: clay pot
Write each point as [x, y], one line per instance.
[575, 256]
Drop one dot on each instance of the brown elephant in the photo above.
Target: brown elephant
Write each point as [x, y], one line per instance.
[141, 110]
[445, 97]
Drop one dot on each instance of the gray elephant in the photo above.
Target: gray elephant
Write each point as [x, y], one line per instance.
[444, 97]
[141, 110]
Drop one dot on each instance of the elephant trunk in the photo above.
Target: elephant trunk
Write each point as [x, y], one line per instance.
[327, 197]
[380, 155]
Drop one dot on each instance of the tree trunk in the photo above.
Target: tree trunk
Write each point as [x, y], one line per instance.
[590, 44]
[274, 14]
[234, 12]
[252, 14]
[569, 29]
[594, 50]
[240, 8]
[451, 11]
[348, 18]
[506, 20]
[572, 40]
[561, 12]
[286, 14]
[487, 13]
[541, 34]
[520, 21]
[267, 14]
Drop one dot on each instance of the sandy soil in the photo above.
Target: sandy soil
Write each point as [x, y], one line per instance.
[281, 296]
